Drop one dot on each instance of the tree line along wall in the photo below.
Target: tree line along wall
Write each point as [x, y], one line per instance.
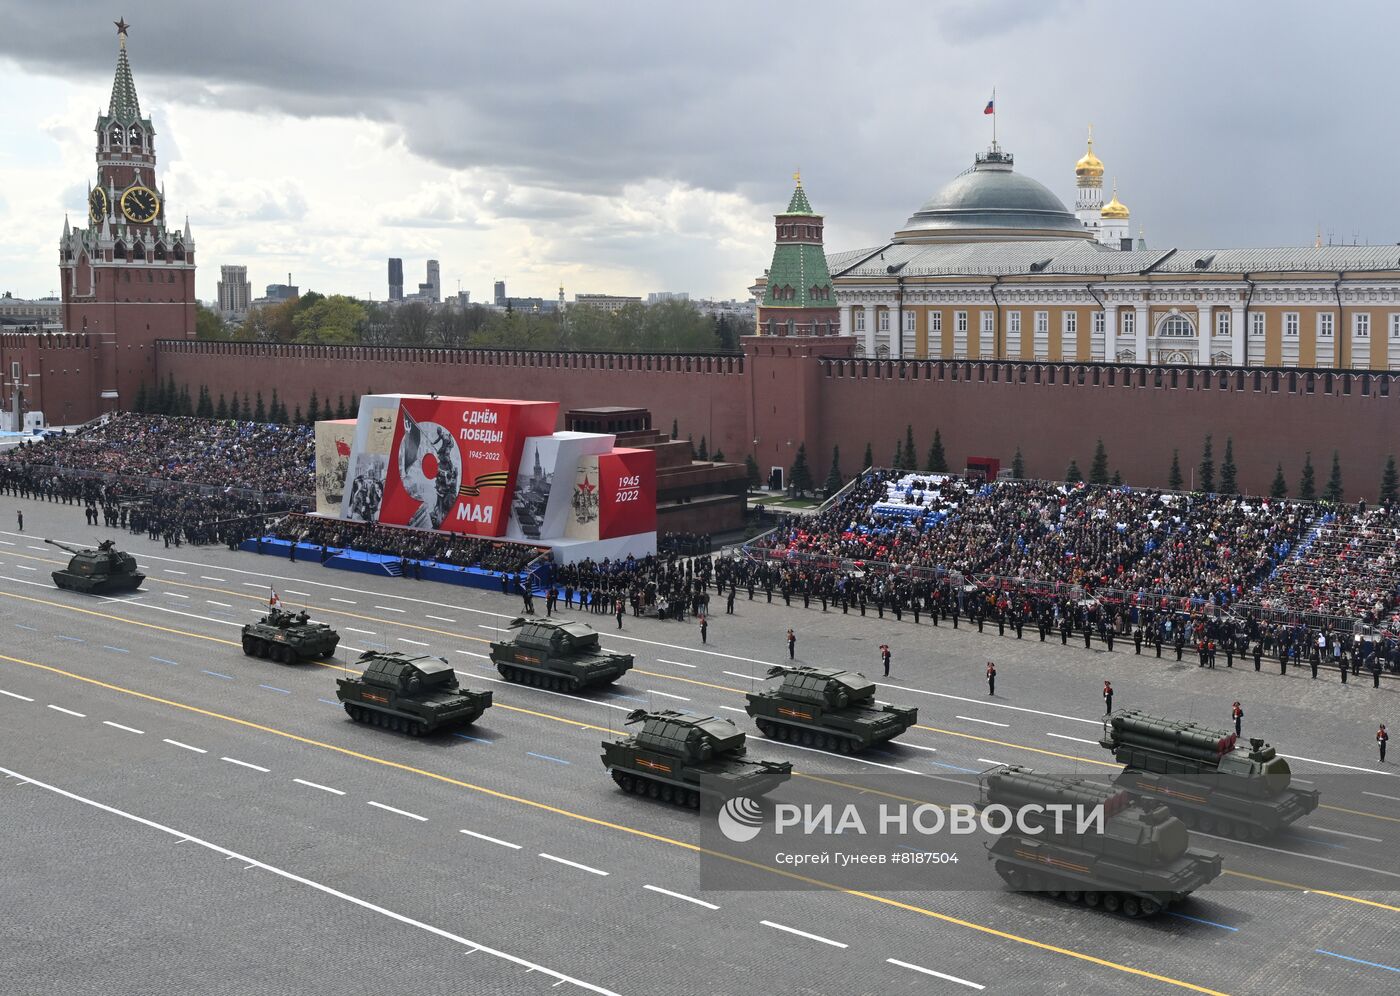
[783, 392]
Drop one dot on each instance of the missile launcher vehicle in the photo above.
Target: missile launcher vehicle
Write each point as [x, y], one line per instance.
[98, 572]
[1204, 777]
[828, 708]
[686, 760]
[415, 695]
[287, 637]
[559, 655]
[1137, 865]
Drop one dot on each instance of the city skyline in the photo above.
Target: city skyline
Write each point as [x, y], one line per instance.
[668, 176]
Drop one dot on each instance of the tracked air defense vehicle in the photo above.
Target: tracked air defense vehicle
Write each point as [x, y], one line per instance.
[1138, 864]
[415, 695]
[828, 708]
[287, 637]
[689, 760]
[552, 653]
[1204, 776]
[98, 572]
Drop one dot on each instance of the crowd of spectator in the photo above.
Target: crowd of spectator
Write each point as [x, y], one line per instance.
[409, 545]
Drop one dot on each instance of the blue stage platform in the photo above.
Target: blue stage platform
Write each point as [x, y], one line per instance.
[384, 565]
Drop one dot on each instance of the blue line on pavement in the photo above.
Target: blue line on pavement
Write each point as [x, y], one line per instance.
[631, 698]
[166, 660]
[546, 757]
[329, 701]
[116, 650]
[1196, 919]
[23, 626]
[1320, 843]
[1359, 961]
[71, 639]
[274, 688]
[226, 677]
[954, 767]
[479, 740]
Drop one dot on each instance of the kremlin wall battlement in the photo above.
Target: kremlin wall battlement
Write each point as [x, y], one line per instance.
[782, 392]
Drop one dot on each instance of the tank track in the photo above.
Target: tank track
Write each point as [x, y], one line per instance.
[636, 784]
[1130, 905]
[399, 724]
[821, 739]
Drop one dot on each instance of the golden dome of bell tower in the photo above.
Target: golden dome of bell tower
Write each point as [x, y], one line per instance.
[1115, 209]
[1089, 166]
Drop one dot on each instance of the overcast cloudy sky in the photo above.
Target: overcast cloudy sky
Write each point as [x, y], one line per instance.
[628, 147]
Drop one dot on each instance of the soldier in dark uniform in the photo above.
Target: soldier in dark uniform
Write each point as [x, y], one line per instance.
[1381, 739]
[885, 656]
[1064, 630]
[1237, 714]
[1179, 642]
[1137, 640]
[1107, 698]
[792, 644]
[991, 678]
[1258, 654]
[729, 603]
[1157, 639]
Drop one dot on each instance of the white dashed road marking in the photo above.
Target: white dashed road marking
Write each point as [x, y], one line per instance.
[803, 933]
[573, 864]
[937, 975]
[70, 712]
[493, 840]
[245, 764]
[401, 812]
[678, 895]
[197, 750]
[16, 695]
[323, 788]
[128, 729]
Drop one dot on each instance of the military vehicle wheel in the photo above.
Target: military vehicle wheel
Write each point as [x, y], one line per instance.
[692, 799]
[250, 646]
[625, 782]
[420, 728]
[1112, 902]
[285, 655]
[654, 790]
[350, 711]
[1258, 833]
[1150, 907]
[1131, 907]
[1074, 896]
[1093, 899]
[668, 794]
[1207, 824]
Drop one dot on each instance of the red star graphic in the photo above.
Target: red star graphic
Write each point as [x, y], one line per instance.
[121, 26]
[587, 487]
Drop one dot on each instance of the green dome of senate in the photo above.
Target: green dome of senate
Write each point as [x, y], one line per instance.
[988, 202]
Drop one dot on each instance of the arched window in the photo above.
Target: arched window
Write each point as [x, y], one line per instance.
[116, 136]
[1176, 327]
[136, 138]
[138, 251]
[119, 251]
[160, 251]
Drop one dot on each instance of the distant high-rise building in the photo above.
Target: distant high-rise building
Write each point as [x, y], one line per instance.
[434, 287]
[500, 295]
[395, 279]
[657, 297]
[611, 303]
[235, 292]
[282, 292]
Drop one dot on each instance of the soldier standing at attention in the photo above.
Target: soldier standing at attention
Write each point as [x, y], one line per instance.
[1381, 738]
[885, 657]
[792, 644]
[1107, 698]
[991, 678]
[1137, 640]
[1237, 714]
[1258, 653]
[704, 629]
[20, 516]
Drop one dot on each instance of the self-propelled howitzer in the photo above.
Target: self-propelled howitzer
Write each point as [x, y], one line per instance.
[1204, 776]
[97, 572]
[828, 708]
[687, 760]
[1136, 862]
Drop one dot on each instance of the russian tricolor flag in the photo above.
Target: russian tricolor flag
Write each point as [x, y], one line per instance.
[991, 107]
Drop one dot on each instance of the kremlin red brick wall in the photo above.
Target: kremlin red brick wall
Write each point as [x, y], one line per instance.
[786, 391]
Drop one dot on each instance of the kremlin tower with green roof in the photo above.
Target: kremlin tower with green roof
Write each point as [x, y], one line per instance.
[799, 297]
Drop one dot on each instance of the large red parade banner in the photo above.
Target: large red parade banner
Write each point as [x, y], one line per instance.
[627, 493]
[452, 461]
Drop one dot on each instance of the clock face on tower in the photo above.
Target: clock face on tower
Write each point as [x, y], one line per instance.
[140, 205]
[97, 205]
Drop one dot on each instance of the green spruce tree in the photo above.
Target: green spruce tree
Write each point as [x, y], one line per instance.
[1098, 469]
[833, 477]
[937, 459]
[142, 402]
[313, 408]
[185, 406]
[800, 475]
[1174, 480]
[340, 410]
[1018, 466]
[675, 428]
[718, 456]
[1073, 475]
[1206, 473]
[1279, 489]
[869, 460]
[751, 470]
[898, 462]
[1333, 492]
[259, 410]
[296, 416]
[221, 409]
[1117, 481]
[1390, 482]
[1307, 482]
[1228, 485]
[911, 455]
[703, 453]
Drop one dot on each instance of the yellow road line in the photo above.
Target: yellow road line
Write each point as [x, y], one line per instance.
[1316, 892]
[1359, 812]
[623, 828]
[1035, 750]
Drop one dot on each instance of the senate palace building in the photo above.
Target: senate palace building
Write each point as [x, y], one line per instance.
[994, 266]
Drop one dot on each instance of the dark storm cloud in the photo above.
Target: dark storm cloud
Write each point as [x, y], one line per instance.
[1242, 123]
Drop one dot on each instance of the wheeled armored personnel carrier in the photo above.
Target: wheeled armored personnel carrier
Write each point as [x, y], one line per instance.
[687, 760]
[828, 708]
[552, 653]
[287, 637]
[415, 695]
[98, 572]
[1204, 776]
[1139, 864]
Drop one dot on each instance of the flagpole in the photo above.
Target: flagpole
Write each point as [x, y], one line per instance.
[994, 119]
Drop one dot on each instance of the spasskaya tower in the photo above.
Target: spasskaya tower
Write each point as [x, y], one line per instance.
[128, 274]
